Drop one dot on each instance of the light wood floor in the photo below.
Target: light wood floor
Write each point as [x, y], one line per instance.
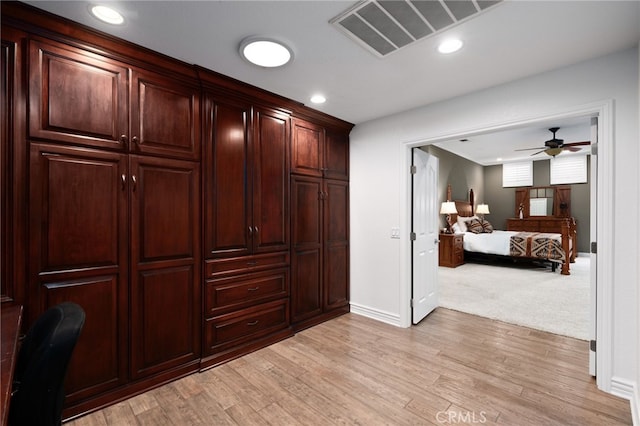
[452, 368]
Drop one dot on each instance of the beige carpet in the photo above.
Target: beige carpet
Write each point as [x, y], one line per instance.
[530, 296]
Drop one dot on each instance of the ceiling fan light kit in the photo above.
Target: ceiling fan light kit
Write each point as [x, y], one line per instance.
[555, 146]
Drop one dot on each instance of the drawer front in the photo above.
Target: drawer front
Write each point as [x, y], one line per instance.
[457, 243]
[458, 257]
[550, 226]
[238, 265]
[225, 331]
[225, 294]
[513, 225]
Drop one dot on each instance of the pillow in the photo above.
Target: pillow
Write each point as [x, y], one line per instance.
[463, 222]
[486, 226]
[456, 228]
[474, 226]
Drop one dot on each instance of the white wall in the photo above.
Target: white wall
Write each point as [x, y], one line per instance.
[380, 191]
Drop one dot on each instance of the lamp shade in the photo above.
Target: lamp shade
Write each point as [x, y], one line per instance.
[448, 207]
[482, 209]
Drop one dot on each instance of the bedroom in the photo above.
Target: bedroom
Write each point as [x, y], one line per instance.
[484, 175]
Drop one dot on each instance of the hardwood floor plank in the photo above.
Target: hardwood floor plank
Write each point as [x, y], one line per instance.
[452, 368]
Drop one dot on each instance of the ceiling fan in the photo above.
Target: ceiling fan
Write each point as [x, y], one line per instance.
[555, 146]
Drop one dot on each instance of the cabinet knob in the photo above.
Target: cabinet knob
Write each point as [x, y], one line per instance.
[135, 181]
[252, 323]
[135, 140]
[124, 139]
[123, 178]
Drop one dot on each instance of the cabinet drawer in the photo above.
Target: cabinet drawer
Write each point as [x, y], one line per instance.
[550, 226]
[225, 331]
[457, 243]
[245, 290]
[238, 265]
[513, 225]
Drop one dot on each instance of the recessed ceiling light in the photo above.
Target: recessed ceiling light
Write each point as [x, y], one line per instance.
[107, 14]
[265, 52]
[318, 99]
[449, 46]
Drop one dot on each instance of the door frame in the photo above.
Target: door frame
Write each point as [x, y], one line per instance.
[603, 214]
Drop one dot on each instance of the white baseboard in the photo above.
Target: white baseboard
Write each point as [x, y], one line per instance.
[627, 390]
[386, 317]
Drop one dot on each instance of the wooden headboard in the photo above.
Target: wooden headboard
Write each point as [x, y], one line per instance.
[465, 208]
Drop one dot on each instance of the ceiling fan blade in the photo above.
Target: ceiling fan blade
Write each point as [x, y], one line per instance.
[577, 143]
[529, 149]
[536, 153]
[571, 148]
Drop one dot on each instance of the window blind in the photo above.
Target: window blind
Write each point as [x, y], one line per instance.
[517, 174]
[569, 169]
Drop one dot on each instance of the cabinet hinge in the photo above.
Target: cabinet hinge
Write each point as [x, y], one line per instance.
[411, 303]
[592, 345]
[594, 247]
[414, 170]
[412, 236]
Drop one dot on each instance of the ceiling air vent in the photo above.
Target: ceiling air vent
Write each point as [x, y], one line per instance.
[385, 26]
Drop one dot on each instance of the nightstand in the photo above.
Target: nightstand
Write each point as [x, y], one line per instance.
[451, 250]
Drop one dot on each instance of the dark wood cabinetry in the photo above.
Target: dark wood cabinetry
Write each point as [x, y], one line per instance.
[246, 179]
[165, 264]
[246, 218]
[78, 252]
[180, 264]
[451, 250]
[86, 99]
[115, 214]
[317, 151]
[320, 217]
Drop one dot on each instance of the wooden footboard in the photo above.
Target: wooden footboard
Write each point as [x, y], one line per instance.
[569, 243]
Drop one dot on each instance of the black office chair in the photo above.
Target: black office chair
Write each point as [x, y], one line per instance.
[41, 367]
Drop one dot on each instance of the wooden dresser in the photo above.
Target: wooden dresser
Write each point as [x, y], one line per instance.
[538, 224]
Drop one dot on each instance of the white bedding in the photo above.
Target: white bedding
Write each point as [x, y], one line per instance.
[496, 242]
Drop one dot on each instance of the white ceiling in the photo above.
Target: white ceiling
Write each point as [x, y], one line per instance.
[507, 42]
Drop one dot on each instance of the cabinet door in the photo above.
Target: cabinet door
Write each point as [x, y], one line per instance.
[165, 117]
[306, 259]
[270, 182]
[228, 211]
[165, 258]
[307, 148]
[76, 97]
[336, 244]
[79, 249]
[336, 155]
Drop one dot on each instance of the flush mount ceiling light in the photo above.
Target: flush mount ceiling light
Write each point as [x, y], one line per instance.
[107, 14]
[318, 99]
[449, 46]
[265, 52]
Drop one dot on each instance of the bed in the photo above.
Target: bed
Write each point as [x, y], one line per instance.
[481, 238]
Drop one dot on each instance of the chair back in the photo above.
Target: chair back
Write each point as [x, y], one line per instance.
[38, 392]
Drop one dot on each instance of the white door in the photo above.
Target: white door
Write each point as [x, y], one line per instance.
[593, 232]
[424, 234]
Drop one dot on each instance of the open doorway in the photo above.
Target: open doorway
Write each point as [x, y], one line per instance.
[589, 225]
